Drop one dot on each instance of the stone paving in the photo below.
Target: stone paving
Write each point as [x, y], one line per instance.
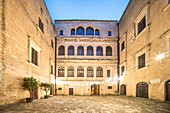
[89, 104]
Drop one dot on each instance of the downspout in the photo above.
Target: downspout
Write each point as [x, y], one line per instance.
[55, 65]
[118, 58]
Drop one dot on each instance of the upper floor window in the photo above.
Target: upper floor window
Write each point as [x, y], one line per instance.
[80, 51]
[61, 50]
[109, 33]
[52, 69]
[61, 71]
[99, 51]
[61, 32]
[108, 51]
[41, 25]
[80, 31]
[97, 32]
[108, 73]
[90, 72]
[90, 51]
[122, 46]
[71, 50]
[122, 70]
[70, 71]
[89, 31]
[34, 56]
[141, 61]
[99, 72]
[80, 72]
[73, 32]
[52, 44]
[142, 24]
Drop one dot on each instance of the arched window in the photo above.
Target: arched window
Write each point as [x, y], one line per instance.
[71, 50]
[99, 72]
[80, 31]
[70, 71]
[80, 72]
[97, 32]
[90, 72]
[73, 31]
[80, 51]
[61, 71]
[89, 31]
[90, 51]
[108, 51]
[99, 51]
[61, 50]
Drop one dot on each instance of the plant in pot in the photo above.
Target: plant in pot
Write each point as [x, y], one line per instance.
[46, 87]
[30, 84]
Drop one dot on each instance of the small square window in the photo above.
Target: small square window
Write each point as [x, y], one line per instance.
[109, 87]
[142, 24]
[109, 33]
[61, 32]
[141, 61]
[41, 25]
[122, 46]
[108, 73]
[122, 70]
[34, 56]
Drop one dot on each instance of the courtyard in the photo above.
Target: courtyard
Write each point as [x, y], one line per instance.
[89, 104]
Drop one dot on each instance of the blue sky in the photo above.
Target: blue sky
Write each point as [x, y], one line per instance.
[86, 9]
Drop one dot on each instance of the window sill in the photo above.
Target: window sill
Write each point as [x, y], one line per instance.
[138, 35]
[140, 69]
[37, 66]
[166, 7]
[40, 31]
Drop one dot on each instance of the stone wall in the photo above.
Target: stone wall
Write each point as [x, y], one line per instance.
[153, 40]
[19, 32]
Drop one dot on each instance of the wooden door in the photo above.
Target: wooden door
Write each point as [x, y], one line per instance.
[142, 90]
[167, 90]
[123, 89]
[71, 92]
[95, 90]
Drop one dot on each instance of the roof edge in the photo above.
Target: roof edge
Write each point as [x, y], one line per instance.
[86, 20]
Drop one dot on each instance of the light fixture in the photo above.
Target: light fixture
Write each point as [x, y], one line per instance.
[160, 56]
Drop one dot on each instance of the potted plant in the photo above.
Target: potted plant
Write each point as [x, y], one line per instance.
[30, 84]
[46, 87]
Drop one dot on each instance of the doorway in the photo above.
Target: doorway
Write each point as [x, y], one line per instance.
[142, 90]
[71, 91]
[95, 89]
[167, 90]
[123, 89]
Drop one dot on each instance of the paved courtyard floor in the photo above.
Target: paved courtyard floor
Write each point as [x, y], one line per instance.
[89, 104]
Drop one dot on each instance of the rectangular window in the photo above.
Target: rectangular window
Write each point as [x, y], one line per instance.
[122, 46]
[109, 87]
[41, 25]
[142, 24]
[52, 44]
[61, 32]
[141, 61]
[122, 70]
[59, 88]
[52, 72]
[109, 33]
[108, 73]
[34, 56]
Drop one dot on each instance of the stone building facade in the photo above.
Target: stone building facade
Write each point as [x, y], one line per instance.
[27, 39]
[144, 50]
[86, 57]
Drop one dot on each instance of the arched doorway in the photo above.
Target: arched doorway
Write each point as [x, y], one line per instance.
[142, 90]
[123, 89]
[167, 90]
[95, 89]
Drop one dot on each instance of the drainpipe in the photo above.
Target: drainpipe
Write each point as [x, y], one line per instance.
[118, 58]
[55, 65]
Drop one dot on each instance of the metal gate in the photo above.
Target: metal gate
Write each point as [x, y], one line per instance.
[142, 90]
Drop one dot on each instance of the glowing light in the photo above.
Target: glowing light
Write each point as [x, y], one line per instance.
[160, 56]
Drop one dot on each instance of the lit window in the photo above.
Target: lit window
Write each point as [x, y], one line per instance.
[99, 72]
[41, 25]
[80, 72]
[90, 72]
[142, 24]
[70, 71]
[109, 33]
[61, 72]
[141, 61]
